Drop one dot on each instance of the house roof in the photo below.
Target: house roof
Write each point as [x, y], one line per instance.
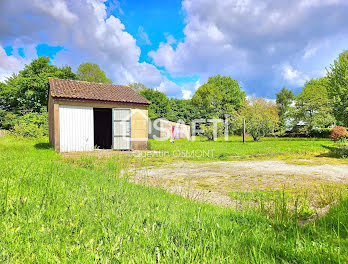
[69, 89]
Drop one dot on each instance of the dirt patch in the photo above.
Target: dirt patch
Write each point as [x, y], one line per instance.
[213, 181]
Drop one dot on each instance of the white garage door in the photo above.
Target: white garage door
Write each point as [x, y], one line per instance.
[76, 128]
[122, 128]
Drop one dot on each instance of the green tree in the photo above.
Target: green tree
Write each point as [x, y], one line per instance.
[261, 117]
[91, 72]
[209, 129]
[160, 105]
[138, 87]
[284, 100]
[28, 90]
[313, 105]
[3, 91]
[338, 88]
[220, 95]
[185, 110]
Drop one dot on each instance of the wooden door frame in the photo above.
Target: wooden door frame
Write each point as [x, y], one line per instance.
[113, 127]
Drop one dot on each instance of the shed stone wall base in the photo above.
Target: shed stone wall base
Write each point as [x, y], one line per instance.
[139, 145]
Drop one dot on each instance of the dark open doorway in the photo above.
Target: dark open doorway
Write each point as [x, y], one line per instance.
[102, 128]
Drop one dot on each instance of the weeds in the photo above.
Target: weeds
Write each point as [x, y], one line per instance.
[290, 205]
[280, 205]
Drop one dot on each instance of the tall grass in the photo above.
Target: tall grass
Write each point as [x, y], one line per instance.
[79, 211]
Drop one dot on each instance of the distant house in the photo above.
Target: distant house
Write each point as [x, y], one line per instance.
[84, 116]
[298, 126]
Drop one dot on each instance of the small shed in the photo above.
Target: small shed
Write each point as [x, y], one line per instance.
[162, 129]
[84, 116]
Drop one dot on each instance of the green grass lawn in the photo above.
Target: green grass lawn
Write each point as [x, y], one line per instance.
[235, 149]
[56, 210]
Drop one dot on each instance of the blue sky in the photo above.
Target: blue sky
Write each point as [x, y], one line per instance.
[174, 46]
[157, 18]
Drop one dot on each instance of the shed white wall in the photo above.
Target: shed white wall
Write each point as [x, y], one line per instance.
[76, 128]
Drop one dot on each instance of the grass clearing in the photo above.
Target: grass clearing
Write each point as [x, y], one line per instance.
[234, 149]
[56, 209]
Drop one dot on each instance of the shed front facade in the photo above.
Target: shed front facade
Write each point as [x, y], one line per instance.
[84, 116]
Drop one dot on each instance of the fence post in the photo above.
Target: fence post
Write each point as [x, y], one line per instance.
[243, 130]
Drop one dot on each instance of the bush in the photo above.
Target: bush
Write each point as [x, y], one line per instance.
[320, 132]
[27, 125]
[2, 116]
[7, 120]
[339, 133]
[27, 130]
[208, 130]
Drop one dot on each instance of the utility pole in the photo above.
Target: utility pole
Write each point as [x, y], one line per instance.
[243, 130]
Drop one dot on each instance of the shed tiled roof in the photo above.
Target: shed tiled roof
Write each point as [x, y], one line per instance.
[69, 89]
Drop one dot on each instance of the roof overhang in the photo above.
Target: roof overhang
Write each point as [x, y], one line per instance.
[96, 101]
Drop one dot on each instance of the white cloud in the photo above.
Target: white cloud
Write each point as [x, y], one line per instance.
[164, 56]
[170, 39]
[246, 38]
[309, 52]
[294, 76]
[203, 52]
[197, 84]
[188, 89]
[312, 48]
[168, 87]
[9, 64]
[57, 9]
[289, 73]
[186, 94]
[318, 3]
[143, 36]
[87, 33]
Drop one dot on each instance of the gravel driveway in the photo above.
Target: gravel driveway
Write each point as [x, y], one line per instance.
[213, 181]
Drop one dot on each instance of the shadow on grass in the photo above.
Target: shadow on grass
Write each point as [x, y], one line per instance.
[335, 152]
[43, 146]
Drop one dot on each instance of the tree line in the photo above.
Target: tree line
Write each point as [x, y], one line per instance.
[321, 103]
